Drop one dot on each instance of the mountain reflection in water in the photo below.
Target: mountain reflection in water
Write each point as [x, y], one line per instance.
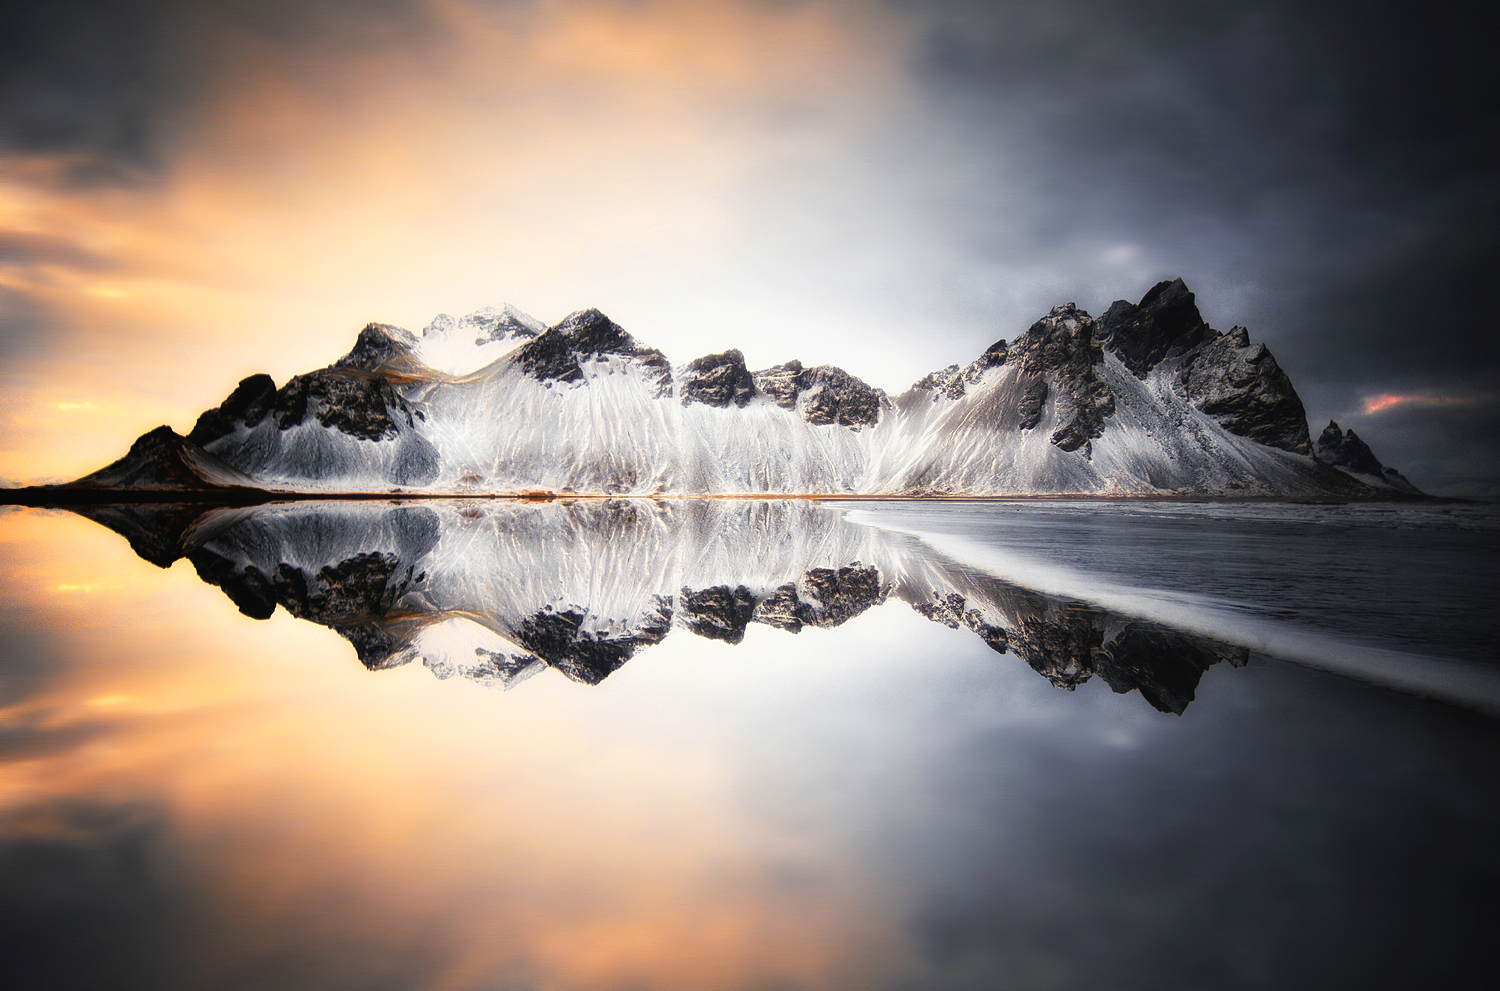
[497, 591]
[797, 761]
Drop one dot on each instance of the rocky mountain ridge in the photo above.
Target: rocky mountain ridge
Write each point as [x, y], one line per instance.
[1147, 399]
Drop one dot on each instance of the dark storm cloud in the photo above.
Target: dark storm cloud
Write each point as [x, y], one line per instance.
[1343, 159]
[26, 248]
[105, 85]
[89, 78]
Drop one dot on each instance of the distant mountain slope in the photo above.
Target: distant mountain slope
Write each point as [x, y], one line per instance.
[1146, 400]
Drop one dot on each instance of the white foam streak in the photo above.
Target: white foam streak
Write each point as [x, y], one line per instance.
[1446, 679]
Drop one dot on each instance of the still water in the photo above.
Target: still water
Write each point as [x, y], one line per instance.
[749, 745]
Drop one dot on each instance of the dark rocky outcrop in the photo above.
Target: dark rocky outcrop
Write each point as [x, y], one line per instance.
[355, 596]
[358, 403]
[947, 382]
[247, 405]
[718, 613]
[780, 609]
[1033, 402]
[783, 383]
[154, 461]
[828, 598]
[1058, 643]
[1061, 345]
[554, 355]
[559, 639]
[380, 347]
[1163, 665]
[717, 380]
[828, 394]
[1344, 449]
[352, 597]
[505, 326]
[491, 668]
[1165, 322]
[364, 585]
[161, 460]
[248, 588]
[950, 611]
[1068, 643]
[834, 596]
[1240, 385]
[838, 397]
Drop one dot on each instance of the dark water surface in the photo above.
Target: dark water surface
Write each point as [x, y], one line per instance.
[749, 745]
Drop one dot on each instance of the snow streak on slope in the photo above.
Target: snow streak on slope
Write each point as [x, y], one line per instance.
[611, 432]
[955, 535]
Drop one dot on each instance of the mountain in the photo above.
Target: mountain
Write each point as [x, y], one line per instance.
[497, 591]
[1345, 450]
[1146, 400]
[161, 461]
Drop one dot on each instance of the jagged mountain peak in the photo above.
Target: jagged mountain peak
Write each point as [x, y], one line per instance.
[381, 346]
[1061, 346]
[486, 326]
[953, 382]
[717, 380]
[587, 335]
[248, 404]
[1344, 449]
[1242, 387]
[824, 394]
[1061, 340]
[1166, 321]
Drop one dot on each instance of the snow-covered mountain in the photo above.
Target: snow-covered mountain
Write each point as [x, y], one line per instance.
[499, 590]
[1145, 400]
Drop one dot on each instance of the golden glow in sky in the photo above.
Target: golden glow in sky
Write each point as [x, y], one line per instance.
[624, 156]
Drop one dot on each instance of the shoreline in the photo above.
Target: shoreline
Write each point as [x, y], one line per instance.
[63, 496]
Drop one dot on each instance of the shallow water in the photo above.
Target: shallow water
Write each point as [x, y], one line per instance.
[680, 792]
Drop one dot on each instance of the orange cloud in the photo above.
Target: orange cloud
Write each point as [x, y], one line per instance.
[1390, 400]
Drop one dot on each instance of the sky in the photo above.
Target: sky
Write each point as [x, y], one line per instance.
[193, 192]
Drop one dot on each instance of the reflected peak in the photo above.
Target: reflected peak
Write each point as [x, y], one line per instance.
[497, 591]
